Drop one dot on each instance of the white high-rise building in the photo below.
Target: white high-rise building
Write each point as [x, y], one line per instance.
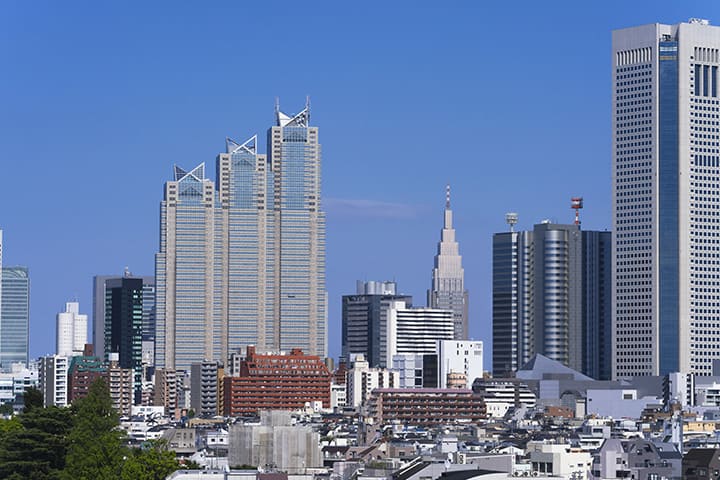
[448, 277]
[416, 330]
[666, 198]
[72, 331]
[362, 380]
[459, 357]
[53, 379]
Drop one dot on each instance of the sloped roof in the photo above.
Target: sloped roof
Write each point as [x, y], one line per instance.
[540, 367]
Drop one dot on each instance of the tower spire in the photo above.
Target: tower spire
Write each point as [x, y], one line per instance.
[447, 197]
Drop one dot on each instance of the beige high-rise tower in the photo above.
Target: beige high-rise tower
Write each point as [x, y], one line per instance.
[448, 277]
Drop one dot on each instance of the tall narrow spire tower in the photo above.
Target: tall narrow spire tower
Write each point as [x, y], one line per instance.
[448, 277]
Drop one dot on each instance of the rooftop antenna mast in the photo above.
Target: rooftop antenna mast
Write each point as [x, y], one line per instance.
[511, 219]
[576, 204]
[447, 197]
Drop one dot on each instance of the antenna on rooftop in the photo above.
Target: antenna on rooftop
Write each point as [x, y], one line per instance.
[447, 196]
[511, 219]
[576, 204]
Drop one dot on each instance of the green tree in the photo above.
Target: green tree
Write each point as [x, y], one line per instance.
[95, 450]
[153, 462]
[32, 398]
[6, 408]
[35, 449]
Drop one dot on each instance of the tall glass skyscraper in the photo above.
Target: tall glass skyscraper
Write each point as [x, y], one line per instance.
[244, 256]
[14, 316]
[185, 297]
[300, 299]
[551, 296]
[666, 197]
[448, 277]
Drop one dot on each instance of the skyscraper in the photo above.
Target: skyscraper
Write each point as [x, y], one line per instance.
[666, 188]
[300, 298]
[245, 261]
[123, 325]
[551, 296]
[72, 331]
[242, 260]
[100, 287]
[448, 277]
[14, 316]
[364, 321]
[184, 273]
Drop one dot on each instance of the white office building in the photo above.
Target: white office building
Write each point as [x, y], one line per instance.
[53, 379]
[72, 331]
[362, 380]
[666, 198]
[14, 383]
[463, 357]
[416, 330]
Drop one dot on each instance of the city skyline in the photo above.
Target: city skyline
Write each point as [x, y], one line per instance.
[382, 196]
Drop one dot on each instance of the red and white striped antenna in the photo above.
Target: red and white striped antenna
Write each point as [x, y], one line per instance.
[576, 204]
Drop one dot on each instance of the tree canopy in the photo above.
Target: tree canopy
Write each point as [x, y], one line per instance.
[80, 442]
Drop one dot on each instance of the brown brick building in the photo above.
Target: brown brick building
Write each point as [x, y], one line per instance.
[276, 382]
[425, 406]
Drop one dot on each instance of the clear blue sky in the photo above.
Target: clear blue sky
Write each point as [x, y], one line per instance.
[509, 102]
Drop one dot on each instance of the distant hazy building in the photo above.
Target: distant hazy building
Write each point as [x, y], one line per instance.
[364, 321]
[425, 406]
[459, 357]
[72, 331]
[416, 370]
[448, 277]
[204, 388]
[296, 379]
[123, 325]
[416, 330]
[363, 379]
[288, 448]
[53, 380]
[551, 295]
[14, 316]
[14, 383]
[100, 312]
[166, 391]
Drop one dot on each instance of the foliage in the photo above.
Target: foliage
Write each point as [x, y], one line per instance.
[95, 450]
[36, 448]
[80, 442]
[149, 463]
[32, 398]
[6, 408]
[9, 425]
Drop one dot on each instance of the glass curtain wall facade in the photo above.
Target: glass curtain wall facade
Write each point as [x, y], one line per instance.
[242, 259]
[14, 316]
[300, 299]
[184, 272]
[124, 325]
[551, 296]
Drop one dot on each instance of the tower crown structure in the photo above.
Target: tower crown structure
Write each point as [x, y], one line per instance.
[447, 291]
[242, 259]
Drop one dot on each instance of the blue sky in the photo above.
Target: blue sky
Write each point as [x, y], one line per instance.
[509, 102]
